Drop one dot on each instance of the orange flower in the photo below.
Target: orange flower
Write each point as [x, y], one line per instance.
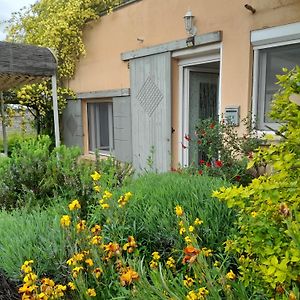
[128, 276]
[190, 254]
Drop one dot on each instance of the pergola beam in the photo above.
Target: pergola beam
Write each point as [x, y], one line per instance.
[22, 64]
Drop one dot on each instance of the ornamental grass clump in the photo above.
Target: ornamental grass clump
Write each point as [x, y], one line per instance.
[193, 272]
[267, 243]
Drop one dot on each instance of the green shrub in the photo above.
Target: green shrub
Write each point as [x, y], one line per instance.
[33, 235]
[35, 173]
[217, 149]
[267, 244]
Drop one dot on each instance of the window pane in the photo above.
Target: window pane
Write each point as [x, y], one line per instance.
[99, 127]
[272, 60]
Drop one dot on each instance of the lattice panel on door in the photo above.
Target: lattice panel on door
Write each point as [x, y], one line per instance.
[149, 96]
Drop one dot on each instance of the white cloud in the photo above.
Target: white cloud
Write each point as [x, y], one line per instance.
[7, 7]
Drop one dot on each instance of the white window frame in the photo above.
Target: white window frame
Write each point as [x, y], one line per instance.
[262, 39]
[187, 59]
[110, 125]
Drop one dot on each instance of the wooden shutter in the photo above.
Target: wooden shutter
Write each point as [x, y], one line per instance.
[151, 111]
[122, 129]
[72, 124]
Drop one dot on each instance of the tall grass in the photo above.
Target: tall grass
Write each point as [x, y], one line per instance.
[150, 215]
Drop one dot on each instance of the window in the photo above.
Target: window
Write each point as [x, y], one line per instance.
[271, 60]
[100, 126]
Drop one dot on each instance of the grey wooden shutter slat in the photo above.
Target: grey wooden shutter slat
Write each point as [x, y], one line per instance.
[151, 110]
[122, 128]
[72, 124]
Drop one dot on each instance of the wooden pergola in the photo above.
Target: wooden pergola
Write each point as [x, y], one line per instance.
[22, 64]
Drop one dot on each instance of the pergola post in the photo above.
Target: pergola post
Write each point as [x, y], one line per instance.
[55, 110]
[5, 144]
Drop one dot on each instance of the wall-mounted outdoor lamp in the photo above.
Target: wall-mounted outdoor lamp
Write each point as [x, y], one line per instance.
[189, 23]
[190, 28]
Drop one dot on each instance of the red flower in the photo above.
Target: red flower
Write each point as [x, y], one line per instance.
[184, 147]
[199, 142]
[200, 172]
[218, 163]
[238, 178]
[187, 137]
[208, 164]
[201, 161]
[212, 125]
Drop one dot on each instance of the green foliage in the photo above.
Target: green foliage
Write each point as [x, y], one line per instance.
[14, 139]
[37, 233]
[33, 174]
[267, 244]
[150, 214]
[221, 151]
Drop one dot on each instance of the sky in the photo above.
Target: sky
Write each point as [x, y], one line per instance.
[7, 7]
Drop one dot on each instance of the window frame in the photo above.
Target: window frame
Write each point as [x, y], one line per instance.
[110, 126]
[276, 36]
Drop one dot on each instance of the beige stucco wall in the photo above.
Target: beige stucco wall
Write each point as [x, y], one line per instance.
[160, 21]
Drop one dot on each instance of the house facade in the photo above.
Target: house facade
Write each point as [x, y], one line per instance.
[145, 80]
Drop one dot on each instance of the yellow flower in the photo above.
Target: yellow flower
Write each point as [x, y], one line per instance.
[96, 229]
[153, 264]
[206, 252]
[74, 205]
[170, 262]
[254, 214]
[188, 281]
[98, 272]
[96, 176]
[202, 292]
[26, 268]
[179, 210]
[89, 262]
[187, 239]
[198, 221]
[182, 230]
[96, 240]
[91, 292]
[230, 275]
[191, 228]
[180, 223]
[155, 255]
[81, 225]
[43, 296]
[76, 271]
[192, 296]
[30, 278]
[72, 286]
[65, 221]
[217, 264]
[107, 195]
[97, 188]
[105, 206]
